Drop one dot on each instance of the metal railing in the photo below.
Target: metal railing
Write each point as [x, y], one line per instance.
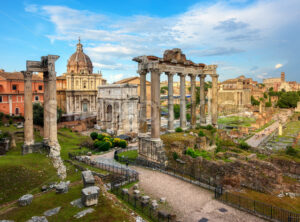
[257, 208]
[143, 207]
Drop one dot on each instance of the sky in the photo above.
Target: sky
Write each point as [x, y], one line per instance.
[255, 38]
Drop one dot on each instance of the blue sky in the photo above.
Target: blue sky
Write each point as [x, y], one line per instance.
[258, 39]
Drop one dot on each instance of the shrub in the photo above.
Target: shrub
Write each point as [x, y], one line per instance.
[291, 151]
[116, 142]
[201, 134]
[243, 145]
[10, 121]
[97, 144]
[188, 117]
[100, 136]
[268, 104]
[94, 135]
[123, 144]
[104, 146]
[209, 127]
[175, 156]
[195, 153]
[178, 130]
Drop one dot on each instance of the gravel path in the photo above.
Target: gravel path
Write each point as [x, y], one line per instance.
[191, 203]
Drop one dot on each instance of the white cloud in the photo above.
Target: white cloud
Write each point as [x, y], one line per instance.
[277, 66]
[31, 8]
[262, 75]
[115, 77]
[217, 29]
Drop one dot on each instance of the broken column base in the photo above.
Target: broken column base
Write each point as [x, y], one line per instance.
[34, 148]
[57, 162]
[151, 149]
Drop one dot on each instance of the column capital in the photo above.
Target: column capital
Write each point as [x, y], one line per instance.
[27, 75]
[170, 73]
[192, 76]
[202, 76]
[155, 70]
[214, 75]
[182, 74]
[142, 71]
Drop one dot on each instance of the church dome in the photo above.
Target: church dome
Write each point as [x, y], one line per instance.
[79, 62]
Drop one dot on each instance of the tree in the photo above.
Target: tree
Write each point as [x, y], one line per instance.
[254, 102]
[163, 89]
[38, 114]
[288, 100]
[176, 111]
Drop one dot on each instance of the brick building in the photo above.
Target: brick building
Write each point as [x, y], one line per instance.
[12, 92]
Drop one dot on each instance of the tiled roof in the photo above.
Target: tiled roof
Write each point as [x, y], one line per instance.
[17, 76]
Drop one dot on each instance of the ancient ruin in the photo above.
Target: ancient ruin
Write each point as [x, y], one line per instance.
[173, 62]
[47, 66]
[118, 108]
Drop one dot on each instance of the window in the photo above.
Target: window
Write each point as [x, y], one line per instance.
[0, 99]
[14, 87]
[36, 98]
[17, 111]
[40, 87]
[84, 84]
[77, 83]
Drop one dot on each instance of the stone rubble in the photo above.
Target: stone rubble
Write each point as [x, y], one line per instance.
[77, 203]
[52, 212]
[89, 196]
[38, 219]
[25, 200]
[83, 213]
[88, 178]
[62, 187]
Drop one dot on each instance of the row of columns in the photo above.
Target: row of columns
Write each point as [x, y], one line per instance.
[50, 104]
[155, 101]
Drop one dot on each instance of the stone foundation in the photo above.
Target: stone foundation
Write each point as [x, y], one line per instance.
[151, 149]
[34, 148]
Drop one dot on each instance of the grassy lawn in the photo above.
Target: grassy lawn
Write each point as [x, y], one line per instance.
[287, 203]
[69, 141]
[104, 211]
[236, 121]
[132, 154]
[23, 174]
[265, 126]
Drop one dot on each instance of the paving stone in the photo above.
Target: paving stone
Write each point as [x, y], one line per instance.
[77, 203]
[7, 221]
[52, 212]
[83, 213]
[25, 200]
[38, 219]
[223, 210]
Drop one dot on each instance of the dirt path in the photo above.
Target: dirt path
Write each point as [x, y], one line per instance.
[191, 203]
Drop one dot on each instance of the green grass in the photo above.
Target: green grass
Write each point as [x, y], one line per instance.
[95, 169]
[265, 126]
[104, 211]
[132, 154]
[69, 141]
[236, 121]
[23, 174]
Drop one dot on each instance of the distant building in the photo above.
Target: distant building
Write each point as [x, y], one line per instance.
[12, 92]
[235, 94]
[77, 89]
[118, 108]
[279, 84]
[136, 81]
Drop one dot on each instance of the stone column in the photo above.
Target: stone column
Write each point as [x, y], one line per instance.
[202, 100]
[182, 102]
[214, 99]
[28, 112]
[51, 109]
[155, 104]
[193, 101]
[280, 129]
[143, 102]
[170, 103]
[46, 111]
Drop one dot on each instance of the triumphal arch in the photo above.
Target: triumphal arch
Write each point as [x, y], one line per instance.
[173, 62]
